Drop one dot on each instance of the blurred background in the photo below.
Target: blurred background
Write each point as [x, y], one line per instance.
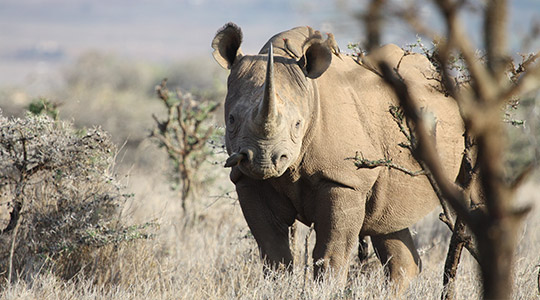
[39, 38]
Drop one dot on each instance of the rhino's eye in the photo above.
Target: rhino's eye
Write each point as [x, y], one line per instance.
[231, 119]
[295, 131]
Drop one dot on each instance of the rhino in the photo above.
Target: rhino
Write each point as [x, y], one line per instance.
[295, 114]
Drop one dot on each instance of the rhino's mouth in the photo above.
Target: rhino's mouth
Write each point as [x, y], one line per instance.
[258, 169]
[261, 171]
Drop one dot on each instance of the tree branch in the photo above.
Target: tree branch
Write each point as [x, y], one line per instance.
[360, 162]
[495, 37]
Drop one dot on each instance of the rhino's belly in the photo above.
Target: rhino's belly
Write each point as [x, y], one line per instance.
[397, 201]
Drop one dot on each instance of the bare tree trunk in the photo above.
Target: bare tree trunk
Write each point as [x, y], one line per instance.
[495, 36]
[498, 244]
[466, 179]
[373, 22]
[498, 239]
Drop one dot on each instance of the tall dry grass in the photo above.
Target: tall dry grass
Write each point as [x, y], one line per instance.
[216, 258]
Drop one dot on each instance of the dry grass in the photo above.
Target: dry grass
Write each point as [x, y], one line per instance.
[217, 259]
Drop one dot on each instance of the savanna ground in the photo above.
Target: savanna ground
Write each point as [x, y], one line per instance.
[214, 256]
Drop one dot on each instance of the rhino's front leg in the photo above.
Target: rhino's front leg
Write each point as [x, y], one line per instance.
[339, 216]
[268, 216]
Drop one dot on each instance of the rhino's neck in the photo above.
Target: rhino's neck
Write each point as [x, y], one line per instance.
[312, 120]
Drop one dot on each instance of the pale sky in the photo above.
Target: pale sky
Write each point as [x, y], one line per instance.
[43, 34]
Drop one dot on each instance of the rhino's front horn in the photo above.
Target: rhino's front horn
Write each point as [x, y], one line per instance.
[267, 110]
[234, 159]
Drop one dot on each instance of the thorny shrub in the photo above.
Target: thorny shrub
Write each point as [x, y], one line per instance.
[59, 202]
[188, 137]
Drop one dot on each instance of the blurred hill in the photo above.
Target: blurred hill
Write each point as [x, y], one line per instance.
[38, 37]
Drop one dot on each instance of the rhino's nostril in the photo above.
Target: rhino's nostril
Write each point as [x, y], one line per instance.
[280, 160]
[248, 153]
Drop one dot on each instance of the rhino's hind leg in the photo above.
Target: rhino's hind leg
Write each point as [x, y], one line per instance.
[397, 253]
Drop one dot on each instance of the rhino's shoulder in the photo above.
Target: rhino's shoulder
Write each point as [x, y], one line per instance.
[389, 53]
[411, 66]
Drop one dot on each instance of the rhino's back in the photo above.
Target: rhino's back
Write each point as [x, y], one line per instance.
[355, 118]
[296, 38]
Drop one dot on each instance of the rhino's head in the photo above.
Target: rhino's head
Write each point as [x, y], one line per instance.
[269, 103]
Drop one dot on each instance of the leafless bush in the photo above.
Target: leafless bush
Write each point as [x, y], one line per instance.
[59, 200]
[184, 134]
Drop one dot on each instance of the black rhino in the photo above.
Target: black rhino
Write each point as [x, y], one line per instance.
[295, 113]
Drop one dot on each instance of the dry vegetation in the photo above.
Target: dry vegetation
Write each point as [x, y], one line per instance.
[217, 259]
[59, 200]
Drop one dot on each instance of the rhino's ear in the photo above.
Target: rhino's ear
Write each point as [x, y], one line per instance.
[226, 45]
[317, 58]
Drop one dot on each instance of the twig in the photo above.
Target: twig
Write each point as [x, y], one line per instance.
[527, 82]
[306, 257]
[444, 217]
[398, 116]
[361, 162]
[12, 248]
[523, 175]
[458, 39]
